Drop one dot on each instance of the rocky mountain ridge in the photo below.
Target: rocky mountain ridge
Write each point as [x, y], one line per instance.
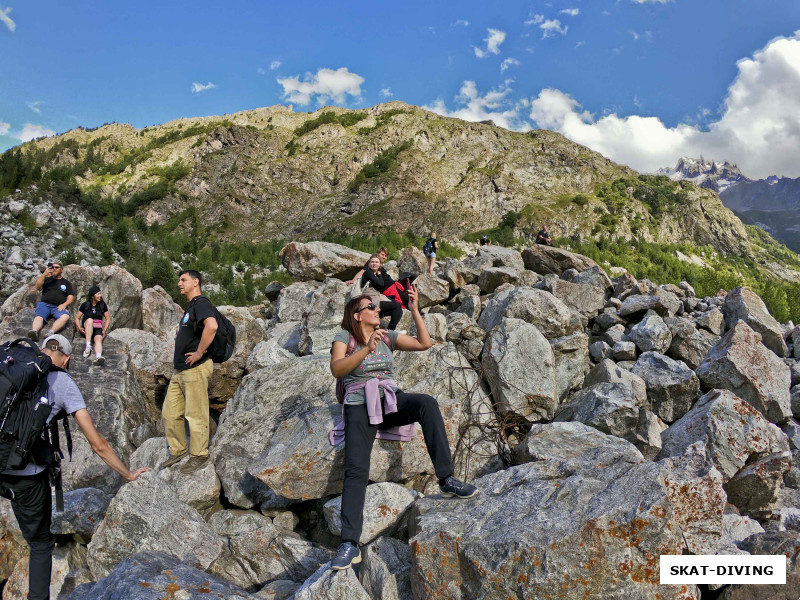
[605, 421]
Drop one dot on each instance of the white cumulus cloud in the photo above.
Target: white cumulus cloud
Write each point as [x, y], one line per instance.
[495, 105]
[274, 65]
[535, 20]
[199, 87]
[4, 128]
[461, 23]
[325, 85]
[6, 20]
[759, 128]
[34, 106]
[572, 12]
[386, 92]
[550, 27]
[509, 62]
[493, 41]
[31, 132]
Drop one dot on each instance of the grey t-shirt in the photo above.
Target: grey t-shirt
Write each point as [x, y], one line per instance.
[63, 394]
[378, 363]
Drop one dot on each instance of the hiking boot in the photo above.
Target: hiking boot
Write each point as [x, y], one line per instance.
[454, 487]
[98, 361]
[347, 556]
[33, 335]
[173, 459]
[87, 352]
[195, 463]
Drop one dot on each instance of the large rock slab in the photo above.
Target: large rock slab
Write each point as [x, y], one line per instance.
[83, 512]
[607, 371]
[326, 584]
[586, 299]
[12, 545]
[689, 344]
[121, 291]
[265, 401]
[153, 575]
[323, 318]
[116, 404]
[160, 313]
[412, 260]
[148, 515]
[731, 430]
[386, 569]
[300, 463]
[385, 509]
[741, 364]
[609, 515]
[520, 368]
[502, 256]
[571, 354]
[549, 259]
[318, 260]
[268, 553]
[69, 570]
[755, 487]
[672, 387]
[651, 333]
[295, 300]
[744, 304]
[664, 303]
[539, 308]
[771, 543]
[432, 290]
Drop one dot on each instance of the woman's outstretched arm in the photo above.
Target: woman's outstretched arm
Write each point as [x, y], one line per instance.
[423, 339]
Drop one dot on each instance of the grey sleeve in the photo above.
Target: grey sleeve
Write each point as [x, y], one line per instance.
[65, 393]
[342, 336]
[393, 335]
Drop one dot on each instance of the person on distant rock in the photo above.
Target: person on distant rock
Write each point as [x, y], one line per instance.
[187, 394]
[93, 321]
[485, 241]
[382, 253]
[543, 237]
[29, 488]
[361, 353]
[382, 283]
[429, 249]
[57, 295]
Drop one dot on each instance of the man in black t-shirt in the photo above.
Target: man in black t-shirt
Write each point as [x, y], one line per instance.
[543, 237]
[187, 394]
[57, 295]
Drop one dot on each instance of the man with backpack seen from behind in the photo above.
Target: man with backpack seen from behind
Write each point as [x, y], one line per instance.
[429, 250]
[187, 394]
[28, 487]
[57, 295]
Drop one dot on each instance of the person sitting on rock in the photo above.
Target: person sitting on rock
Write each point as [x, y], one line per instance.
[375, 406]
[543, 237]
[57, 295]
[382, 253]
[485, 241]
[93, 321]
[382, 282]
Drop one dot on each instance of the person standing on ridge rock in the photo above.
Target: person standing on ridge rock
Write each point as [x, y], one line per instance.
[29, 488]
[93, 322]
[57, 295]
[187, 394]
[543, 237]
[429, 250]
[373, 406]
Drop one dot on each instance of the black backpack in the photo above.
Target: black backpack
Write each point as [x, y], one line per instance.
[428, 248]
[221, 348]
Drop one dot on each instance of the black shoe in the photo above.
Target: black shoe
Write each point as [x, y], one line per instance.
[453, 487]
[348, 555]
[33, 335]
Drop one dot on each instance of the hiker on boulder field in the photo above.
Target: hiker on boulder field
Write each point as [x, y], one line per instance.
[429, 250]
[383, 255]
[382, 282]
[29, 488]
[543, 237]
[373, 405]
[93, 321]
[57, 295]
[187, 394]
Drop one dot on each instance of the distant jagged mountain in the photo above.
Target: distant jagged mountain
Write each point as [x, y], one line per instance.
[772, 203]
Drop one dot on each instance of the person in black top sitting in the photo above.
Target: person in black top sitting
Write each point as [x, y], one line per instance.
[543, 237]
[485, 241]
[57, 295]
[383, 254]
[93, 321]
[382, 282]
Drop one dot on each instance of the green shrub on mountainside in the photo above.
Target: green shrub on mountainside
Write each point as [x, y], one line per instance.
[382, 120]
[345, 120]
[382, 164]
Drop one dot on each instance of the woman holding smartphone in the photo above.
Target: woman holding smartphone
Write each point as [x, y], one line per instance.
[362, 354]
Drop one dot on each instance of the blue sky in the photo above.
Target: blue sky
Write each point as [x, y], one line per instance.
[643, 81]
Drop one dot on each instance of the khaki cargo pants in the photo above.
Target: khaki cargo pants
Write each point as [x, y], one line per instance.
[187, 398]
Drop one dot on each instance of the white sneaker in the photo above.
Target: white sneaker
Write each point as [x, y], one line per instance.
[87, 351]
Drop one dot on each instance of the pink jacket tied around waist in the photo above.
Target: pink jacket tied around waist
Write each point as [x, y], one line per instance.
[402, 433]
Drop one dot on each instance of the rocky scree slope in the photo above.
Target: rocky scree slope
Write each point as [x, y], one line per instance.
[605, 421]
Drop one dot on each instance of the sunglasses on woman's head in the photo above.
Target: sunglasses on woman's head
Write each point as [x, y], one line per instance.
[370, 306]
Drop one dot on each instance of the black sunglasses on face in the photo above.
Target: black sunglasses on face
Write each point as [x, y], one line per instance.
[370, 306]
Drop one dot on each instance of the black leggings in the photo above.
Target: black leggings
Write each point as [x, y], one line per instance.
[359, 437]
[394, 310]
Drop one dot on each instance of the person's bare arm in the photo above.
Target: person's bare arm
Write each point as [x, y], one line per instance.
[70, 300]
[48, 272]
[423, 339]
[341, 365]
[106, 322]
[102, 448]
[355, 277]
[209, 331]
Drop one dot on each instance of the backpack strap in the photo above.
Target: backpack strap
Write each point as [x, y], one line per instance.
[351, 345]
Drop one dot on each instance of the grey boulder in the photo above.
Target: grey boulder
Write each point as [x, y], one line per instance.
[744, 304]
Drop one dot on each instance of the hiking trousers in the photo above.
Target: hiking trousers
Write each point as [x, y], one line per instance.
[187, 398]
[359, 437]
[32, 503]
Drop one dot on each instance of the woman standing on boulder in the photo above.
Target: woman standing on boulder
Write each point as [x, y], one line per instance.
[374, 406]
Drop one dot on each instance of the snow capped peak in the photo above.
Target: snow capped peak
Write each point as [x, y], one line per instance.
[712, 174]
